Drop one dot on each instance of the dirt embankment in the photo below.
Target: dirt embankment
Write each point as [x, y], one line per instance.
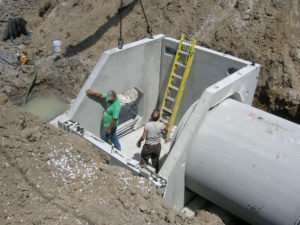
[266, 32]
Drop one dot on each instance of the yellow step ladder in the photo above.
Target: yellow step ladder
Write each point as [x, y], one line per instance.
[176, 84]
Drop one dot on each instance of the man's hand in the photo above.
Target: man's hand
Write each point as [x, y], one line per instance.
[89, 92]
[108, 131]
[142, 138]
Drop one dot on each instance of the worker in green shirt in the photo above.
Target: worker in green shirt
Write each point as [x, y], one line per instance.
[110, 116]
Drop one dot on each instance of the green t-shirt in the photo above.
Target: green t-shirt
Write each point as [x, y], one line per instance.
[112, 111]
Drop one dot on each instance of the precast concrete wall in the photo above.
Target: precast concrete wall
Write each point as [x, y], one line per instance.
[247, 161]
[208, 68]
[146, 65]
[137, 65]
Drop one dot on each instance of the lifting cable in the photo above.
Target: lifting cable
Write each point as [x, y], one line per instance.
[120, 41]
[149, 30]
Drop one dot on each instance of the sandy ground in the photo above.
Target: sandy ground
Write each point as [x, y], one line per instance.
[51, 177]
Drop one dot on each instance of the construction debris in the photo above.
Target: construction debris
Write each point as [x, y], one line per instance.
[128, 96]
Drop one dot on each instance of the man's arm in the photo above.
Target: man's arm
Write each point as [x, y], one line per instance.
[142, 138]
[92, 93]
[108, 129]
[166, 127]
[113, 124]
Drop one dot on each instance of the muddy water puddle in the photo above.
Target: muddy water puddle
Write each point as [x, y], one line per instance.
[47, 107]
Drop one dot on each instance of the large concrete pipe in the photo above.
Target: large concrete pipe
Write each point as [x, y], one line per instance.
[247, 161]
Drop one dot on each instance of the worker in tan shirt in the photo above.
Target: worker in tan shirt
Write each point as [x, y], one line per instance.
[152, 147]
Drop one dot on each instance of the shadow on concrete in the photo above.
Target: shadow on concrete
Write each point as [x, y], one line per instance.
[162, 160]
[91, 40]
[137, 156]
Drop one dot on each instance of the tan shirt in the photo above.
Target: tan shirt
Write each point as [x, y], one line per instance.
[154, 129]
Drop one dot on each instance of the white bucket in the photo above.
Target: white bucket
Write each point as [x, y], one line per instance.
[57, 45]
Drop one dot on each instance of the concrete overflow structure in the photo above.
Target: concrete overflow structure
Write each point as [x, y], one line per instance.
[236, 156]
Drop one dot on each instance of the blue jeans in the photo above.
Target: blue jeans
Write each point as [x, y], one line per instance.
[112, 138]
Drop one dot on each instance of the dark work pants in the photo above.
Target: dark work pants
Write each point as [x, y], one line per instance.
[153, 152]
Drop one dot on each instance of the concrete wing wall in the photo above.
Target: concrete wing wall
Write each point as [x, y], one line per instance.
[136, 65]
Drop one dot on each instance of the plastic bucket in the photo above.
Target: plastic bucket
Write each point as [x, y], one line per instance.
[57, 45]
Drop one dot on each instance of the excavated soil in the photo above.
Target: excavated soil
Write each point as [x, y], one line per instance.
[49, 176]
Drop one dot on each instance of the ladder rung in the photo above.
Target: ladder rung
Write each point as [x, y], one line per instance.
[180, 64]
[187, 42]
[170, 99]
[177, 76]
[183, 52]
[164, 120]
[174, 88]
[167, 110]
